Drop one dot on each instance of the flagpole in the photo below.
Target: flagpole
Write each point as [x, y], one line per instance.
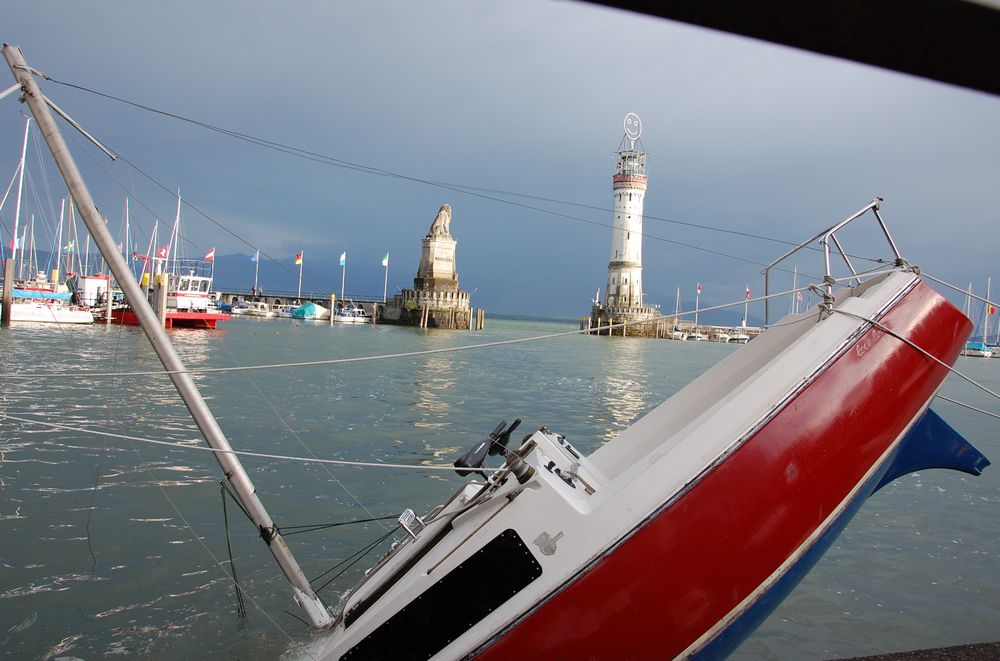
[343, 276]
[697, 296]
[302, 254]
[746, 307]
[256, 269]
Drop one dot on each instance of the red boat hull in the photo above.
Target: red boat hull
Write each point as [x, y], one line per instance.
[691, 565]
[174, 319]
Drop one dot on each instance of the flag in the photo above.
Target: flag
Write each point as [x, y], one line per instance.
[163, 252]
[385, 260]
[16, 243]
[992, 309]
[798, 296]
[298, 257]
[343, 258]
[254, 257]
[69, 246]
[699, 287]
[210, 255]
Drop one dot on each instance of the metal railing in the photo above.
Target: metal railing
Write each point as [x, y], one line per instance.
[825, 238]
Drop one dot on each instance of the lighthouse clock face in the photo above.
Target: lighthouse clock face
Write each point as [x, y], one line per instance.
[633, 126]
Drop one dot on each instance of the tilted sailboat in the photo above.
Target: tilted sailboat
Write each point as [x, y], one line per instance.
[675, 539]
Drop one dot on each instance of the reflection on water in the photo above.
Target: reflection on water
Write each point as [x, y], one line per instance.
[622, 385]
[436, 380]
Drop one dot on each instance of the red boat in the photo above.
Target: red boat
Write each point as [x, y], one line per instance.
[174, 319]
[187, 304]
[678, 537]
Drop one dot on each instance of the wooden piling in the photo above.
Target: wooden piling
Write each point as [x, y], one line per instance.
[8, 292]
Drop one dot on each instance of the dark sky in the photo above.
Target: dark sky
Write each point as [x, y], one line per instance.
[517, 97]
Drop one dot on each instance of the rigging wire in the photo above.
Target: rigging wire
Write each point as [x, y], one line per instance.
[424, 352]
[466, 190]
[241, 453]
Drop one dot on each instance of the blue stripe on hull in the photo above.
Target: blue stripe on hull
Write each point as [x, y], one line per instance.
[930, 443]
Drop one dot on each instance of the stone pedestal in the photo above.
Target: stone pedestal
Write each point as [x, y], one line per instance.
[435, 301]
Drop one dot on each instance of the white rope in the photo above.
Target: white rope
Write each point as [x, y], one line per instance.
[408, 354]
[920, 349]
[958, 289]
[969, 406]
[242, 453]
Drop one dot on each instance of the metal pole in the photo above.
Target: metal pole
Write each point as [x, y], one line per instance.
[20, 188]
[304, 595]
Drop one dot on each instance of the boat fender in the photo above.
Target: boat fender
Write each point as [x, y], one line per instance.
[932, 443]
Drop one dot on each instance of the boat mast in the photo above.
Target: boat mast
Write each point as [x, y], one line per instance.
[986, 311]
[62, 212]
[20, 189]
[304, 594]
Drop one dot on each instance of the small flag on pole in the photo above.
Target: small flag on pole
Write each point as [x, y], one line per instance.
[69, 246]
[699, 287]
[163, 252]
[210, 255]
[343, 258]
[254, 257]
[992, 309]
[16, 243]
[298, 257]
[798, 296]
[748, 293]
[385, 260]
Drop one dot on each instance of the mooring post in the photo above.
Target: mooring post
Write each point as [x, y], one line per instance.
[8, 292]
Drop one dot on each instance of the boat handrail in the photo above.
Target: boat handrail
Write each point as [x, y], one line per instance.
[825, 237]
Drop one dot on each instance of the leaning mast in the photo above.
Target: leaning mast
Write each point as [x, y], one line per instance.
[317, 612]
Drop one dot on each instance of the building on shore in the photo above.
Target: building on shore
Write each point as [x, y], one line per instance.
[435, 301]
[623, 297]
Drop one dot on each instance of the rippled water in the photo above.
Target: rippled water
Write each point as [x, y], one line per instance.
[112, 547]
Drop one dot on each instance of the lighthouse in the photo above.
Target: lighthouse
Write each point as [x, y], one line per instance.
[623, 296]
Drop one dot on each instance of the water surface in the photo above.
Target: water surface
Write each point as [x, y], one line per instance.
[119, 547]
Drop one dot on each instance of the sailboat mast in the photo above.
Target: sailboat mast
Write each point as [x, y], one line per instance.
[174, 238]
[304, 594]
[20, 189]
[986, 310]
[62, 212]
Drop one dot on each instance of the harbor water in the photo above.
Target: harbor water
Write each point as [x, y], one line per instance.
[115, 546]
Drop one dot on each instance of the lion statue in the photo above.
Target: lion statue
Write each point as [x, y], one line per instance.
[441, 222]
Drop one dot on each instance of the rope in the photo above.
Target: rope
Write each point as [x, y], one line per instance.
[958, 289]
[242, 453]
[413, 354]
[241, 610]
[351, 560]
[287, 531]
[969, 406]
[937, 360]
